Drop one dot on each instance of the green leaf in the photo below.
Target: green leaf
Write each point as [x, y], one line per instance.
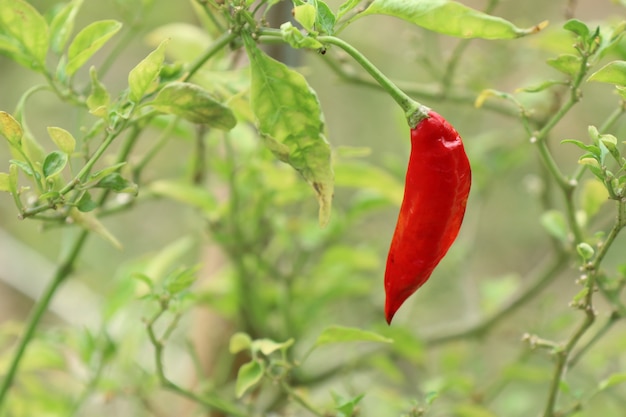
[117, 183]
[89, 222]
[24, 167]
[86, 203]
[11, 129]
[612, 73]
[28, 33]
[305, 15]
[239, 342]
[566, 63]
[346, 7]
[541, 87]
[248, 376]
[88, 41]
[5, 182]
[450, 18]
[180, 280]
[99, 98]
[195, 104]
[143, 78]
[611, 381]
[585, 251]
[554, 223]
[347, 406]
[291, 123]
[54, 163]
[593, 149]
[593, 196]
[268, 346]
[340, 334]
[577, 27]
[98, 175]
[325, 18]
[297, 39]
[168, 258]
[63, 139]
[62, 25]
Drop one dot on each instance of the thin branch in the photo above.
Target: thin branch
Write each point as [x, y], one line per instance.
[480, 329]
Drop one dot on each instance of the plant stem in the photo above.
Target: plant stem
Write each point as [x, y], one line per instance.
[221, 42]
[413, 110]
[63, 271]
[483, 327]
[424, 91]
[209, 401]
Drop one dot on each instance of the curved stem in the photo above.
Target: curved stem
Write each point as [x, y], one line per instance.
[414, 111]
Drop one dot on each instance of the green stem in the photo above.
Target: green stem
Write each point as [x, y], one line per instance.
[208, 401]
[63, 271]
[221, 42]
[480, 329]
[413, 110]
[614, 318]
[424, 91]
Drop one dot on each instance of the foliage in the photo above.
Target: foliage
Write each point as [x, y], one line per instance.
[291, 306]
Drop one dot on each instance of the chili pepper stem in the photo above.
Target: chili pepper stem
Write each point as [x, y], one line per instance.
[414, 111]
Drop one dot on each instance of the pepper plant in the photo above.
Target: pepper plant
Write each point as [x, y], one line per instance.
[220, 246]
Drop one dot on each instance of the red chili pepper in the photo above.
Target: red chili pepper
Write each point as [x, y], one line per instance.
[437, 186]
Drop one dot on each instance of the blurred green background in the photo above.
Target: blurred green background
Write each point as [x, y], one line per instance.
[501, 243]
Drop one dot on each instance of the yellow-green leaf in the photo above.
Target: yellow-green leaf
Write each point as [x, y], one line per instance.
[195, 104]
[27, 30]
[290, 120]
[612, 73]
[88, 41]
[90, 222]
[142, 79]
[62, 25]
[99, 98]
[5, 182]
[248, 376]
[340, 334]
[63, 139]
[450, 18]
[10, 129]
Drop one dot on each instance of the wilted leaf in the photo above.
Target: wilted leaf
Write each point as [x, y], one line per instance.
[290, 120]
[195, 104]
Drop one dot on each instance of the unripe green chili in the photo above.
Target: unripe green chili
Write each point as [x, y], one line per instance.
[437, 186]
